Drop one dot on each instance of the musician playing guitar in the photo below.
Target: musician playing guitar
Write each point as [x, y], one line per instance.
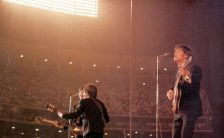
[184, 93]
[76, 123]
[93, 111]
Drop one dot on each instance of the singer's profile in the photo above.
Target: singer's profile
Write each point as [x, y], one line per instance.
[184, 93]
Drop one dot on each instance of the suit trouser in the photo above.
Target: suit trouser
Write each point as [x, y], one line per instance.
[93, 135]
[79, 136]
[183, 126]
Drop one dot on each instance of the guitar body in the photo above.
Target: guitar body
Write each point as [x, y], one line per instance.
[77, 130]
[176, 101]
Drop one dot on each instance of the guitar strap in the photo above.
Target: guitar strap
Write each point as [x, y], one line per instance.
[101, 110]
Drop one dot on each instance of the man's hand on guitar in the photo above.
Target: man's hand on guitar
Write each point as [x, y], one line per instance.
[183, 71]
[170, 95]
[186, 74]
[60, 114]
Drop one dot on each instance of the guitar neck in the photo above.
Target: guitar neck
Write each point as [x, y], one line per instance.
[50, 121]
[74, 129]
[53, 122]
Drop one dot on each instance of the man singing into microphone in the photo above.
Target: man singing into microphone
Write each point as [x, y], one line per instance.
[184, 93]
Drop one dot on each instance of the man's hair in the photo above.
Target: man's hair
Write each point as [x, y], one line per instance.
[186, 49]
[91, 90]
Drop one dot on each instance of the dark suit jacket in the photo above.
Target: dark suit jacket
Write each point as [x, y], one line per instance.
[190, 102]
[91, 115]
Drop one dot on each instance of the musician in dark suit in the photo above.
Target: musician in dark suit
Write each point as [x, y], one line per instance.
[184, 93]
[93, 111]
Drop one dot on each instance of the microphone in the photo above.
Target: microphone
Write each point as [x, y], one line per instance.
[164, 54]
[75, 95]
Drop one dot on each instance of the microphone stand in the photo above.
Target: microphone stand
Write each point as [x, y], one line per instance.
[157, 92]
[124, 134]
[157, 96]
[69, 110]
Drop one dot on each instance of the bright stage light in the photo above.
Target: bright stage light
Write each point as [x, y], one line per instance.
[37, 129]
[77, 7]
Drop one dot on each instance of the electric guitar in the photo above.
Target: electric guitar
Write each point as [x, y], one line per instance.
[177, 92]
[74, 128]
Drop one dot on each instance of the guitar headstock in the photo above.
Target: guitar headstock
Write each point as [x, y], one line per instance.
[187, 62]
[189, 59]
[51, 108]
